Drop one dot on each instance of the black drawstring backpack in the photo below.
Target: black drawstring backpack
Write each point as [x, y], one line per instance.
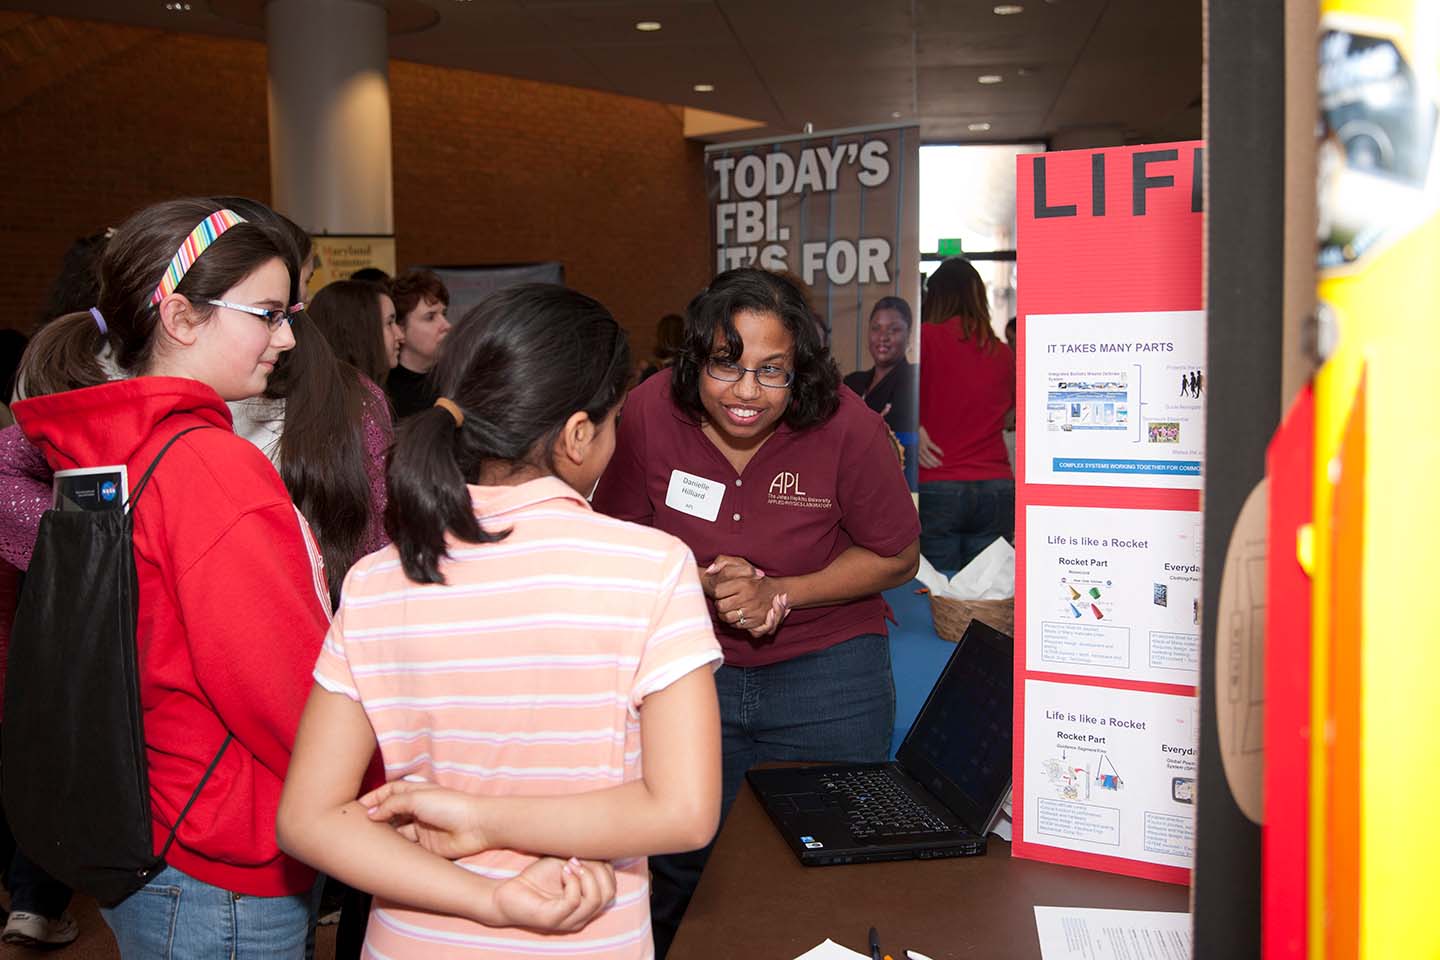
[74, 778]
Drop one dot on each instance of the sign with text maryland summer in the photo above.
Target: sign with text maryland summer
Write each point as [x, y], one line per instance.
[337, 257]
[840, 211]
[1108, 526]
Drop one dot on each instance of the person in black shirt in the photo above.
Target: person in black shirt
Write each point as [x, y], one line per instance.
[889, 387]
[421, 302]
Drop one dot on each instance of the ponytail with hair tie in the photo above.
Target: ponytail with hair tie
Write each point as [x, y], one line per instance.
[453, 408]
[512, 371]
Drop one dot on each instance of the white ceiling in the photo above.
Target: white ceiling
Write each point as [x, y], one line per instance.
[1075, 72]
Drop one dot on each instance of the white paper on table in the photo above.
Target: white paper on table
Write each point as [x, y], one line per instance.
[1084, 933]
[830, 950]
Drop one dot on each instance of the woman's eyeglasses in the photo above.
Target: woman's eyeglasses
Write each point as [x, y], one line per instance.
[273, 318]
[766, 375]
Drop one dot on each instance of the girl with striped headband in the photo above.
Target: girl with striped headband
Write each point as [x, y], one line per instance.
[232, 600]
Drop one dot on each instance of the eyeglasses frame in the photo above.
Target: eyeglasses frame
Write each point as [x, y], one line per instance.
[789, 374]
[287, 315]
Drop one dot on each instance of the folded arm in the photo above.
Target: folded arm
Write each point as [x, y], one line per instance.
[320, 823]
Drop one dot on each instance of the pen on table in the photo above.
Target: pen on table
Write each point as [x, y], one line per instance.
[874, 945]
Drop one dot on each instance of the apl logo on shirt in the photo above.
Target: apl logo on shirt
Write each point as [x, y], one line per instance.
[785, 491]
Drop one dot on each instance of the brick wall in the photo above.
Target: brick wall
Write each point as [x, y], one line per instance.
[97, 120]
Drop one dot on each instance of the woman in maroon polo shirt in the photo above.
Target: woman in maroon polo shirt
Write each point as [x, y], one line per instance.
[788, 491]
[967, 389]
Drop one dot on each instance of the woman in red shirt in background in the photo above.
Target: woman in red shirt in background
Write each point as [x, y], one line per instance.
[967, 389]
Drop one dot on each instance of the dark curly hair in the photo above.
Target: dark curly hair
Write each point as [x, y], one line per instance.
[814, 394]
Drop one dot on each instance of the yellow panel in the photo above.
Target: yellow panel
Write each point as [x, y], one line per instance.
[1401, 654]
[1382, 306]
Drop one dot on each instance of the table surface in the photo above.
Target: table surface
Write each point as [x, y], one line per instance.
[756, 902]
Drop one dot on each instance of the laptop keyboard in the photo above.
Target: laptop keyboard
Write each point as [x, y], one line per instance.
[877, 806]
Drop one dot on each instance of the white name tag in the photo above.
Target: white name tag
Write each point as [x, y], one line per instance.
[694, 495]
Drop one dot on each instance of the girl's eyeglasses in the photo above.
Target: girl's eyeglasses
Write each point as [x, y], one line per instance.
[273, 318]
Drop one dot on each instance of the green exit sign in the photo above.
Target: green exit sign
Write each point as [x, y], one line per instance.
[950, 247]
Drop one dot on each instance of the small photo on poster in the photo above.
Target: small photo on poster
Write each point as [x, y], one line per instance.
[1115, 399]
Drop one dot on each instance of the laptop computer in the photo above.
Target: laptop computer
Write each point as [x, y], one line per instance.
[941, 794]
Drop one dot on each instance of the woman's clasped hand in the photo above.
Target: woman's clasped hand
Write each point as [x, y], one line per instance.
[745, 596]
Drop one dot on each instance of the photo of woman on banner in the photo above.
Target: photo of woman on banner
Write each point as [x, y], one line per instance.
[786, 489]
[967, 390]
[889, 387]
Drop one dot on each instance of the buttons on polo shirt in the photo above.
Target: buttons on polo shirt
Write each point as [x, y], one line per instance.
[735, 517]
[739, 482]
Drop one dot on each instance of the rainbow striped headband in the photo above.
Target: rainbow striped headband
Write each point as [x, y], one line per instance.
[206, 232]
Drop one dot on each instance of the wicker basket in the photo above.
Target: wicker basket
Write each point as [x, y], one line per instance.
[953, 616]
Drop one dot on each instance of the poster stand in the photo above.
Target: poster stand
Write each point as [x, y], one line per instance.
[1111, 406]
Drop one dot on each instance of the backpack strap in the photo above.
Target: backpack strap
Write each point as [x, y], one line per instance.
[145, 480]
[196, 795]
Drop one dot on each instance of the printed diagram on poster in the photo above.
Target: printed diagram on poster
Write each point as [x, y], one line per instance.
[1115, 399]
[1113, 593]
[1111, 772]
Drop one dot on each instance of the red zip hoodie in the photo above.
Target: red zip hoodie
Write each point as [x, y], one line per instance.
[233, 609]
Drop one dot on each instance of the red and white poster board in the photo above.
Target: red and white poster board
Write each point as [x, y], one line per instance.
[1108, 527]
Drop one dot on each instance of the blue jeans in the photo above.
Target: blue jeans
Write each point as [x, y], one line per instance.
[176, 917]
[959, 518]
[836, 704]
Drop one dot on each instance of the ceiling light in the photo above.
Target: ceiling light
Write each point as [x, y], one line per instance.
[895, 115]
[1008, 9]
[704, 88]
[979, 127]
[647, 26]
[988, 78]
[178, 7]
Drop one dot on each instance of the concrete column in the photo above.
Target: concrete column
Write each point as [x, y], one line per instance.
[330, 164]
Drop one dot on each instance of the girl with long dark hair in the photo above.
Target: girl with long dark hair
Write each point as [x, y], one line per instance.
[538, 675]
[357, 318]
[324, 426]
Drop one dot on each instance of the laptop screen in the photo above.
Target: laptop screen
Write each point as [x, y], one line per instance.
[960, 745]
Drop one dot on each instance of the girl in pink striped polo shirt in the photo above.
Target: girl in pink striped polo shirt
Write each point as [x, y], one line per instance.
[513, 653]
